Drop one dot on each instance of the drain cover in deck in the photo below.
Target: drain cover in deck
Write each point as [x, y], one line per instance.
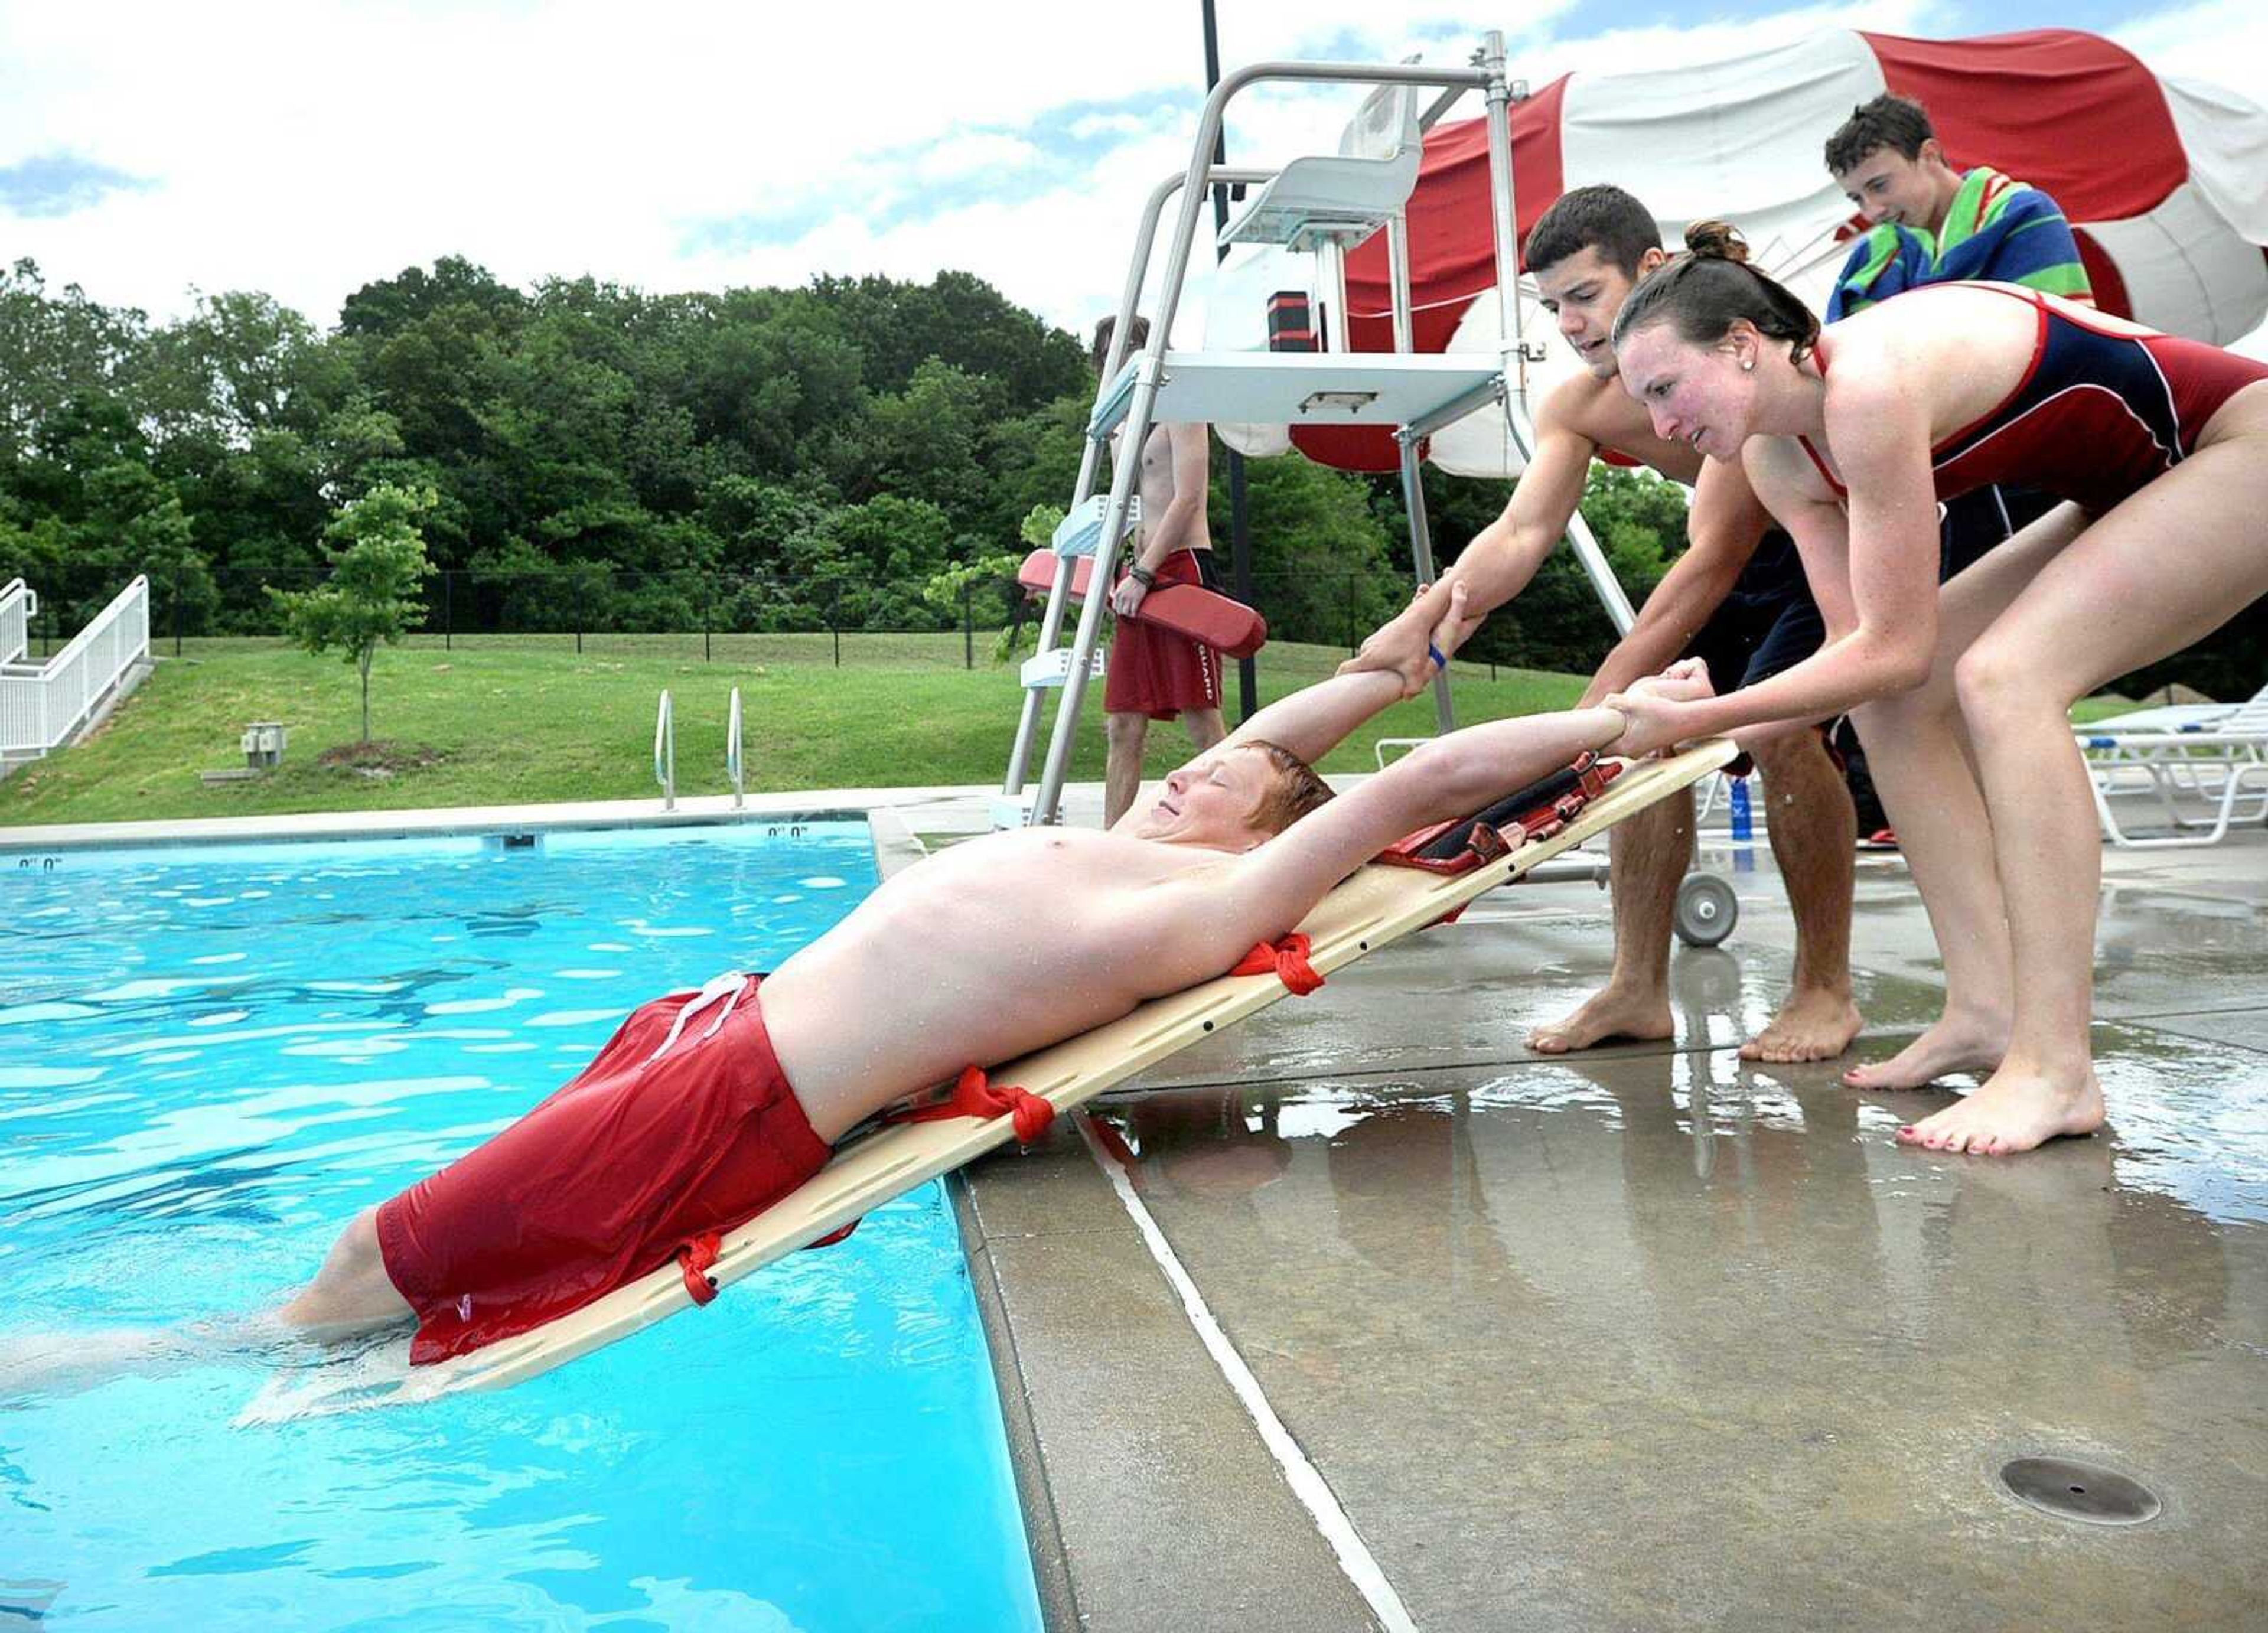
[2082, 1491]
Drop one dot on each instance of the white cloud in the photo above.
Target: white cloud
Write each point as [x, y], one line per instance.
[973, 154]
[1094, 125]
[304, 149]
[2223, 42]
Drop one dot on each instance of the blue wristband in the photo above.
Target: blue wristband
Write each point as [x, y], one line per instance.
[1434, 652]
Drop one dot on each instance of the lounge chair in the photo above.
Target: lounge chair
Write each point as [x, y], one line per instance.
[2206, 765]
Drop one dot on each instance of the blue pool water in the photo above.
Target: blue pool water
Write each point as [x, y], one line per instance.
[210, 1060]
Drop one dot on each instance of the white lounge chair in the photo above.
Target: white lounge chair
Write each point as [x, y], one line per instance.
[2197, 761]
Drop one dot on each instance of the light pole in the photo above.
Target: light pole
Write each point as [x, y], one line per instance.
[1240, 528]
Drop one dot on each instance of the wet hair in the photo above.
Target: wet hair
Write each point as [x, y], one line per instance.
[1604, 219]
[1137, 334]
[1892, 122]
[1712, 286]
[1296, 791]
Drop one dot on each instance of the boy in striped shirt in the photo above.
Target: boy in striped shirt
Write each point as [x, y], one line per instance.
[1931, 224]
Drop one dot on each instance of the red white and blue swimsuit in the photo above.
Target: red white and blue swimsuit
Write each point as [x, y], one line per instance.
[2097, 417]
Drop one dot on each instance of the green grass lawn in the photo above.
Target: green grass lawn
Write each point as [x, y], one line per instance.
[530, 721]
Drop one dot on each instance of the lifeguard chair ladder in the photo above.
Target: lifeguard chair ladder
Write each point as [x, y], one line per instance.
[1329, 205]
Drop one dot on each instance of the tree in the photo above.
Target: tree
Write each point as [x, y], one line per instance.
[54, 350]
[378, 567]
[1323, 566]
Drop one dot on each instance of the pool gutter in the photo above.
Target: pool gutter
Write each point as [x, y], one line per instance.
[832, 806]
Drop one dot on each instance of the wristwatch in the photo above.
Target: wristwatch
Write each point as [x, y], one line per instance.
[1143, 575]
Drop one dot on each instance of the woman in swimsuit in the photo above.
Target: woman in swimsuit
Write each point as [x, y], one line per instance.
[1851, 437]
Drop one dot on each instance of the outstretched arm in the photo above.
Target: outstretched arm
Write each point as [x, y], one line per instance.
[1887, 547]
[1199, 923]
[1315, 719]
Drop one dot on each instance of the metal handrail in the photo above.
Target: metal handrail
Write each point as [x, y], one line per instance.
[42, 706]
[1051, 620]
[664, 753]
[732, 767]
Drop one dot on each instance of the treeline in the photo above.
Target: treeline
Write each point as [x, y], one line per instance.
[609, 459]
[762, 459]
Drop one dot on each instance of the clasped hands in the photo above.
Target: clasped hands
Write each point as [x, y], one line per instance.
[1413, 650]
[1654, 709]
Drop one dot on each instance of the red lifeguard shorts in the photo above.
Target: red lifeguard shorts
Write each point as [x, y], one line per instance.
[1154, 672]
[603, 1181]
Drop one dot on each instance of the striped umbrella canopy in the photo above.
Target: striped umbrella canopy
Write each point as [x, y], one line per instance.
[2164, 180]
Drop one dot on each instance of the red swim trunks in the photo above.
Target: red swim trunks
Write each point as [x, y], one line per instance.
[600, 1184]
[1156, 672]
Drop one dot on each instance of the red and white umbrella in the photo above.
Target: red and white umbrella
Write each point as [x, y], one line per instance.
[2165, 181]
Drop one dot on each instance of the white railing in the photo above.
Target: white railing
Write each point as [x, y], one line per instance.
[733, 767]
[42, 704]
[17, 605]
[665, 754]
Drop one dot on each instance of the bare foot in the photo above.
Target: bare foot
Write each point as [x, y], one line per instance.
[2013, 1112]
[1612, 1013]
[1962, 1043]
[1812, 1025]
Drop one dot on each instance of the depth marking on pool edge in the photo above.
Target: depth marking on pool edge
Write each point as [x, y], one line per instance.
[1307, 1483]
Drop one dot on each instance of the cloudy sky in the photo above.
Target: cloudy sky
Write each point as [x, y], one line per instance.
[305, 147]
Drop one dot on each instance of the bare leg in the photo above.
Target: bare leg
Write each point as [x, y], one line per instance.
[1810, 823]
[1648, 855]
[351, 1293]
[1204, 726]
[2117, 588]
[1122, 775]
[1924, 769]
[66, 1363]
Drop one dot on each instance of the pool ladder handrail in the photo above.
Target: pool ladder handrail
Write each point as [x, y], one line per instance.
[664, 753]
[732, 767]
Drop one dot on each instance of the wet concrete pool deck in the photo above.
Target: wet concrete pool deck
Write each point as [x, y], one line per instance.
[1650, 1337]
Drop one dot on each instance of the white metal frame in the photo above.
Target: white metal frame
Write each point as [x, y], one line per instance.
[41, 705]
[2213, 765]
[664, 753]
[18, 605]
[732, 764]
[1345, 386]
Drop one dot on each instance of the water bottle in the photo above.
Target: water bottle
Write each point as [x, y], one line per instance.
[1743, 827]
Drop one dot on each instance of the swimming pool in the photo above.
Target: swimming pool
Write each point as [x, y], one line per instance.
[210, 1059]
